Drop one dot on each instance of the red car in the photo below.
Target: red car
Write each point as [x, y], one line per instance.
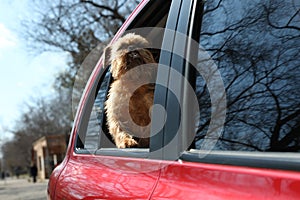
[226, 120]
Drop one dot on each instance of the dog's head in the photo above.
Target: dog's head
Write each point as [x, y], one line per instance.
[126, 53]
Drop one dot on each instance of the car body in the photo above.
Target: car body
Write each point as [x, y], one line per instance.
[185, 170]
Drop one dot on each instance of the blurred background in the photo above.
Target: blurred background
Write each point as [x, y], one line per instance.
[43, 69]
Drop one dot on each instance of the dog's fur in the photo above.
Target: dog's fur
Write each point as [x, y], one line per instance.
[128, 106]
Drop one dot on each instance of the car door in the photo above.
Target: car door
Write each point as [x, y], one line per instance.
[94, 168]
[245, 126]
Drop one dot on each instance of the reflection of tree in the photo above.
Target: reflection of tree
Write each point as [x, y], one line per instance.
[256, 47]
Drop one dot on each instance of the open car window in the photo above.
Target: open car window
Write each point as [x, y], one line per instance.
[94, 135]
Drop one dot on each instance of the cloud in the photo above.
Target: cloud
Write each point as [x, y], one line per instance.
[7, 38]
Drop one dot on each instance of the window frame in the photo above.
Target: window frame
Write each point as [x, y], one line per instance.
[193, 11]
[268, 160]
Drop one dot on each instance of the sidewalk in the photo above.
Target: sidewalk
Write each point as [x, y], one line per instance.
[22, 189]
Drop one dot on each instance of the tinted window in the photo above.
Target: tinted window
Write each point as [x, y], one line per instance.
[256, 48]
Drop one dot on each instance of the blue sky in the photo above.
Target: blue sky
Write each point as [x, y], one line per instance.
[23, 74]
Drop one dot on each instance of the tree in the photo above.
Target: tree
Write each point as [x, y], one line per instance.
[77, 27]
[43, 117]
[82, 28]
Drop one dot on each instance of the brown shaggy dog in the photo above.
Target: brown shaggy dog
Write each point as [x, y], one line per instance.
[131, 94]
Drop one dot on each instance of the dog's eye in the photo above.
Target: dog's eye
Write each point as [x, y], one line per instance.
[131, 48]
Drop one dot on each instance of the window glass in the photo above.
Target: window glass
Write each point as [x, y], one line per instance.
[256, 48]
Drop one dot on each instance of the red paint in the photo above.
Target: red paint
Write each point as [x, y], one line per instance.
[187, 180]
[102, 177]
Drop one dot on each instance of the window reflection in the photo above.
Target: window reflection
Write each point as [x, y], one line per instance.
[256, 46]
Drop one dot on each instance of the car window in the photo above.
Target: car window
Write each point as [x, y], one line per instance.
[96, 135]
[255, 48]
[97, 120]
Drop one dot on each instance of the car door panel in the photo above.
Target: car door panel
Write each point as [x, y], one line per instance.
[231, 176]
[186, 180]
[102, 177]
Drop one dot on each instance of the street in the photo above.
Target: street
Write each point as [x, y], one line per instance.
[22, 189]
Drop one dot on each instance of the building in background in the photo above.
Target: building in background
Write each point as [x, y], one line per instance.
[48, 152]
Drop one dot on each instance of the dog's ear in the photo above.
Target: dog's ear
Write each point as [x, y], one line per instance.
[107, 56]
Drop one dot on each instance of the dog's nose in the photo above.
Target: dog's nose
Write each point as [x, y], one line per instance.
[133, 54]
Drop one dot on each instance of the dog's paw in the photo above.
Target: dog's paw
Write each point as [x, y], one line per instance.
[127, 143]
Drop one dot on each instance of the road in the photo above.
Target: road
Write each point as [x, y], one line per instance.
[22, 189]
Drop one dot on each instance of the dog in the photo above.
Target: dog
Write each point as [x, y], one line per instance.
[130, 97]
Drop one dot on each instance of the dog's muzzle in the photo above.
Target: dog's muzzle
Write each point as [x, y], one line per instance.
[133, 59]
